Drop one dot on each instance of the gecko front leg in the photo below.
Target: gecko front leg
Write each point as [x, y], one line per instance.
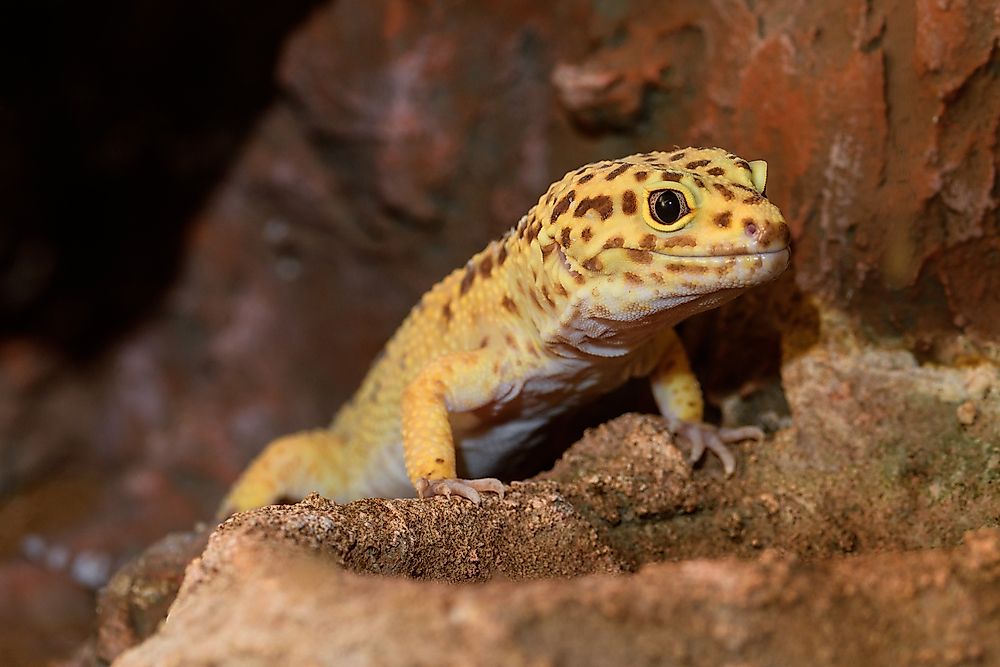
[678, 396]
[453, 383]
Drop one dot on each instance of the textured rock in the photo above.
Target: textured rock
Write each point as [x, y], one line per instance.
[251, 600]
[136, 599]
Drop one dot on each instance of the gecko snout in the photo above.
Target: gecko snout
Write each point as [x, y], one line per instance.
[767, 234]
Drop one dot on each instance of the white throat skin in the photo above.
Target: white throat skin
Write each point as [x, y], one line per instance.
[591, 329]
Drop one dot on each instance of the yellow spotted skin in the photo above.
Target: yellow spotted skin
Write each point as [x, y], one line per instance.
[577, 298]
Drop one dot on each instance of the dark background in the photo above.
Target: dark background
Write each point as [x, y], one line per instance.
[115, 126]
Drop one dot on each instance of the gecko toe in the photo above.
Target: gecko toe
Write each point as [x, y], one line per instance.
[702, 437]
[485, 485]
[716, 445]
[741, 433]
[470, 489]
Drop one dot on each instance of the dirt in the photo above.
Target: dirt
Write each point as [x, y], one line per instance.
[254, 601]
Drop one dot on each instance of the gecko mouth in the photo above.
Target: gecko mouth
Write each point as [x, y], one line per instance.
[768, 261]
[709, 271]
[722, 258]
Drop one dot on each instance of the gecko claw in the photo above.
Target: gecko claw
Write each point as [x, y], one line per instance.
[702, 436]
[470, 489]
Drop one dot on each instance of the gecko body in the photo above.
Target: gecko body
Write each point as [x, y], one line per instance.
[576, 299]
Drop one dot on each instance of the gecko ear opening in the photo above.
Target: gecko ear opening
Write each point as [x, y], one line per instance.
[758, 174]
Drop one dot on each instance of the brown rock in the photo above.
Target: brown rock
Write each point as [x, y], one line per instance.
[254, 600]
[131, 606]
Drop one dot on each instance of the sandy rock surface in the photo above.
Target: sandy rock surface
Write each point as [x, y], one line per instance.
[252, 599]
[624, 553]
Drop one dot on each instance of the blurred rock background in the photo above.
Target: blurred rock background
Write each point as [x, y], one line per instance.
[212, 216]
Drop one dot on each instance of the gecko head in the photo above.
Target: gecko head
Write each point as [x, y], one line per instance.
[656, 231]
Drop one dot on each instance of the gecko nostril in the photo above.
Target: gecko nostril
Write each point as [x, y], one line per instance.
[750, 227]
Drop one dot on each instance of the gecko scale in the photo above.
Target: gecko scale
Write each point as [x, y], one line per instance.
[580, 296]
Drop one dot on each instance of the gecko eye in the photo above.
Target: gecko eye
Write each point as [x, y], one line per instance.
[667, 206]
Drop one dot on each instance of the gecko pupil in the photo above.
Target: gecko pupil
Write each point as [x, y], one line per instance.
[668, 206]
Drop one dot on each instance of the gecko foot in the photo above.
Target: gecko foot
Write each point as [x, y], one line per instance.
[701, 436]
[469, 489]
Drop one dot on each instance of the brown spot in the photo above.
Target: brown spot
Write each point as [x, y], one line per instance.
[562, 205]
[496, 367]
[686, 241]
[700, 183]
[548, 297]
[439, 461]
[677, 156]
[470, 275]
[629, 203]
[509, 304]
[724, 191]
[696, 163]
[532, 232]
[584, 179]
[562, 290]
[502, 255]
[548, 248]
[618, 171]
[587, 234]
[744, 164]
[578, 277]
[446, 312]
[745, 187]
[614, 242]
[657, 277]
[785, 233]
[727, 248]
[511, 341]
[675, 268]
[566, 231]
[593, 264]
[716, 171]
[671, 176]
[484, 342]
[601, 203]
[486, 266]
[755, 198]
[640, 176]
[648, 241]
[632, 278]
[640, 256]
[723, 219]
